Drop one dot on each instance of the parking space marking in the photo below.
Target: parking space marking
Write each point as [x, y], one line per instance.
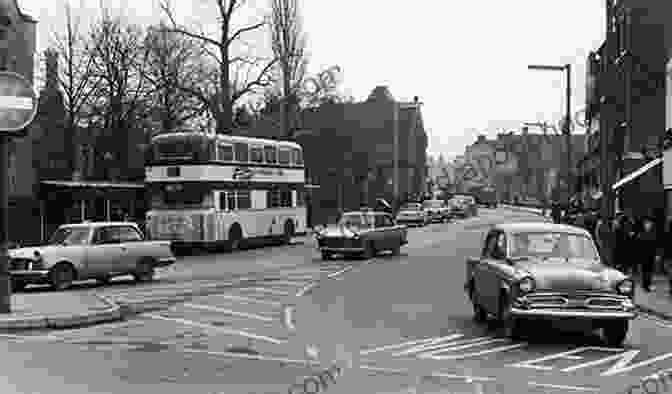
[226, 311]
[269, 291]
[563, 387]
[218, 329]
[246, 299]
[400, 345]
[568, 355]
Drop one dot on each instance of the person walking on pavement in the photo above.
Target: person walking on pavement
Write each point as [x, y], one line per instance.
[603, 234]
[556, 212]
[648, 250]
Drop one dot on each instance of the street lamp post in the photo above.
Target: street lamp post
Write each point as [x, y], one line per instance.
[567, 126]
[395, 173]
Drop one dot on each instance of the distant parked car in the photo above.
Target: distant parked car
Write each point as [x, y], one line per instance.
[412, 213]
[362, 233]
[437, 210]
[94, 250]
[463, 206]
[546, 271]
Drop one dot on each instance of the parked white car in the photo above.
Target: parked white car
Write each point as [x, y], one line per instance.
[93, 250]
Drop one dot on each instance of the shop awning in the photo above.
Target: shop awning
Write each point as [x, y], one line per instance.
[637, 173]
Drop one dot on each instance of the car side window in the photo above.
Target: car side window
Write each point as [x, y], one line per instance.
[129, 234]
[105, 235]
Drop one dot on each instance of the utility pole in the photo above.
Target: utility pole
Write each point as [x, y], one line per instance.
[568, 131]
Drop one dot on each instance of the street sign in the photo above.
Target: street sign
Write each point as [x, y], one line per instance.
[18, 103]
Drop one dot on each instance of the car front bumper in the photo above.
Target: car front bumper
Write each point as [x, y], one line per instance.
[30, 276]
[627, 313]
[340, 250]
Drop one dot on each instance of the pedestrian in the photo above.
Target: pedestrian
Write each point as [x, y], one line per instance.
[556, 212]
[647, 251]
[625, 242]
[603, 238]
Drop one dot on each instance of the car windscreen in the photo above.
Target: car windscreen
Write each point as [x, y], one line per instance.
[351, 221]
[551, 245]
[70, 236]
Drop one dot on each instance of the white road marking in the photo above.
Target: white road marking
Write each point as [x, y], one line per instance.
[430, 343]
[399, 345]
[285, 283]
[246, 299]
[563, 387]
[228, 311]
[250, 356]
[622, 369]
[474, 354]
[269, 291]
[217, 329]
[28, 338]
[337, 273]
[164, 290]
[624, 359]
[306, 289]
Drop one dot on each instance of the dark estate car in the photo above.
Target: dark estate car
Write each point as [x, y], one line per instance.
[463, 206]
[548, 271]
[413, 213]
[437, 210]
[361, 233]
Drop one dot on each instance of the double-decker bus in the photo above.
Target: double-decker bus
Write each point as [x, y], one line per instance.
[220, 190]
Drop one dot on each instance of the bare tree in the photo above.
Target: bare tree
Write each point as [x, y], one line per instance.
[236, 75]
[289, 47]
[74, 78]
[323, 88]
[118, 56]
[172, 72]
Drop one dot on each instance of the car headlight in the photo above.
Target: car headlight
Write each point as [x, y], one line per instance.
[526, 285]
[626, 287]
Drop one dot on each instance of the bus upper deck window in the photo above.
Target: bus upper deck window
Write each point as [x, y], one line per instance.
[297, 157]
[242, 152]
[284, 156]
[256, 154]
[225, 153]
[270, 153]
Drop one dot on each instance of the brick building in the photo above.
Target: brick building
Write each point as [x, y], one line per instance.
[348, 150]
[626, 105]
[529, 165]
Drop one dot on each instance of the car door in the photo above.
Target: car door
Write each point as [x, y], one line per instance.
[384, 232]
[105, 252]
[481, 268]
[132, 248]
[492, 272]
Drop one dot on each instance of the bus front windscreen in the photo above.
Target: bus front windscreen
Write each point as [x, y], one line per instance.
[171, 148]
[178, 196]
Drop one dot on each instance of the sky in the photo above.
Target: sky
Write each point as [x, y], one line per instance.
[466, 60]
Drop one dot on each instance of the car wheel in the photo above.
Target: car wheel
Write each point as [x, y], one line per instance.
[289, 232]
[144, 271]
[480, 315]
[510, 324]
[61, 277]
[369, 251]
[235, 238]
[18, 285]
[615, 333]
[326, 255]
[396, 250]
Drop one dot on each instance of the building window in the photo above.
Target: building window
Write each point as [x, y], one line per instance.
[286, 198]
[273, 198]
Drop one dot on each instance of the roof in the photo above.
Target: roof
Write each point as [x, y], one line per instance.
[226, 138]
[99, 224]
[529, 227]
[111, 185]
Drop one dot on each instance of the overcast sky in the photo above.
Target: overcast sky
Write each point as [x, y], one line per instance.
[466, 62]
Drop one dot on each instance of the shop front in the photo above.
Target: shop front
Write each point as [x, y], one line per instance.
[64, 202]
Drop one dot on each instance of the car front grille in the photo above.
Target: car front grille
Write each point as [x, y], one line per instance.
[338, 243]
[21, 264]
[575, 301]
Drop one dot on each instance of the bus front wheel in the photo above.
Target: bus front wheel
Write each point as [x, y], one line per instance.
[235, 237]
[289, 232]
